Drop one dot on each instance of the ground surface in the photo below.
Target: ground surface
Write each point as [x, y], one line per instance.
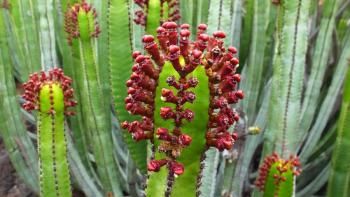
[10, 184]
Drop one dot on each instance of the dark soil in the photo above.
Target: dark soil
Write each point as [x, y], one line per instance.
[10, 183]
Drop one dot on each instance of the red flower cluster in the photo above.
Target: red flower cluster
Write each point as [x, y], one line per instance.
[292, 164]
[38, 80]
[173, 10]
[71, 20]
[221, 68]
[141, 92]
[185, 56]
[141, 14]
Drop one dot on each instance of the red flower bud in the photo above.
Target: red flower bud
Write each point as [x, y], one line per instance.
[185, 140]
[234, 61]
[125, 125]
[202, 27]
[185, 26]
[236, 117]
[239, 94]
[232, 50]
[155, 165]
[185, 33]
[162, 131]
[176, 168]
[234, 136]
[237, 78]
[193, 82]
[168, 96]
[219, 34]
[167, 113]
[188, 115]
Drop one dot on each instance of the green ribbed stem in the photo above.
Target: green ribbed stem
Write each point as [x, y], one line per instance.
[95, 111]
[186, 183]
[283, 189]
[52, 147]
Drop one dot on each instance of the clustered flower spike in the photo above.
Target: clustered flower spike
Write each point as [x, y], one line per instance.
[184, 55]
[141, 14]
[173, 10]
[37, 81]
[71, 23]
[282, 167]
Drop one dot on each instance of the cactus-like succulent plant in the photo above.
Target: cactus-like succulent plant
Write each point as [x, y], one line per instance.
[82, 31]
[51, 95]
[183, 91]
[169, 11]
[80, 22]
[277, 176]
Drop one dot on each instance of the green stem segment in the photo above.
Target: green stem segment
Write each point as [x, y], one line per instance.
[53, 163]
[277, 176]
[82, 31]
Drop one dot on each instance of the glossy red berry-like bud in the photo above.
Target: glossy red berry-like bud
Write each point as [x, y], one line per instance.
[140, 135]
[170, 25]
[219, 34]
[234, 136]
[234, 61]
[226, 141]
[197, 54]
[129, 106]
[132, 90]
[167, 112]
[185, 33]
[140, 58]
[232, 50]
[135, 77]
[147, 38]
[135, 54]
[236, 117]
[155, 165]
[185, 140]
[162, 131]
[237, 77]
[174, 49]
[188, 115]
[171, 80]
[168, 96]
[222, 121]
[220, 103]
[192, 81]
[190, 97]
[125, 125]
[239, 94]
[160, 30]
[185, 26]
[202, 27]
[177, 168]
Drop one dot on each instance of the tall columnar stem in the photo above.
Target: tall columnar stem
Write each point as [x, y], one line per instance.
[82, 30]
[50, 95]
